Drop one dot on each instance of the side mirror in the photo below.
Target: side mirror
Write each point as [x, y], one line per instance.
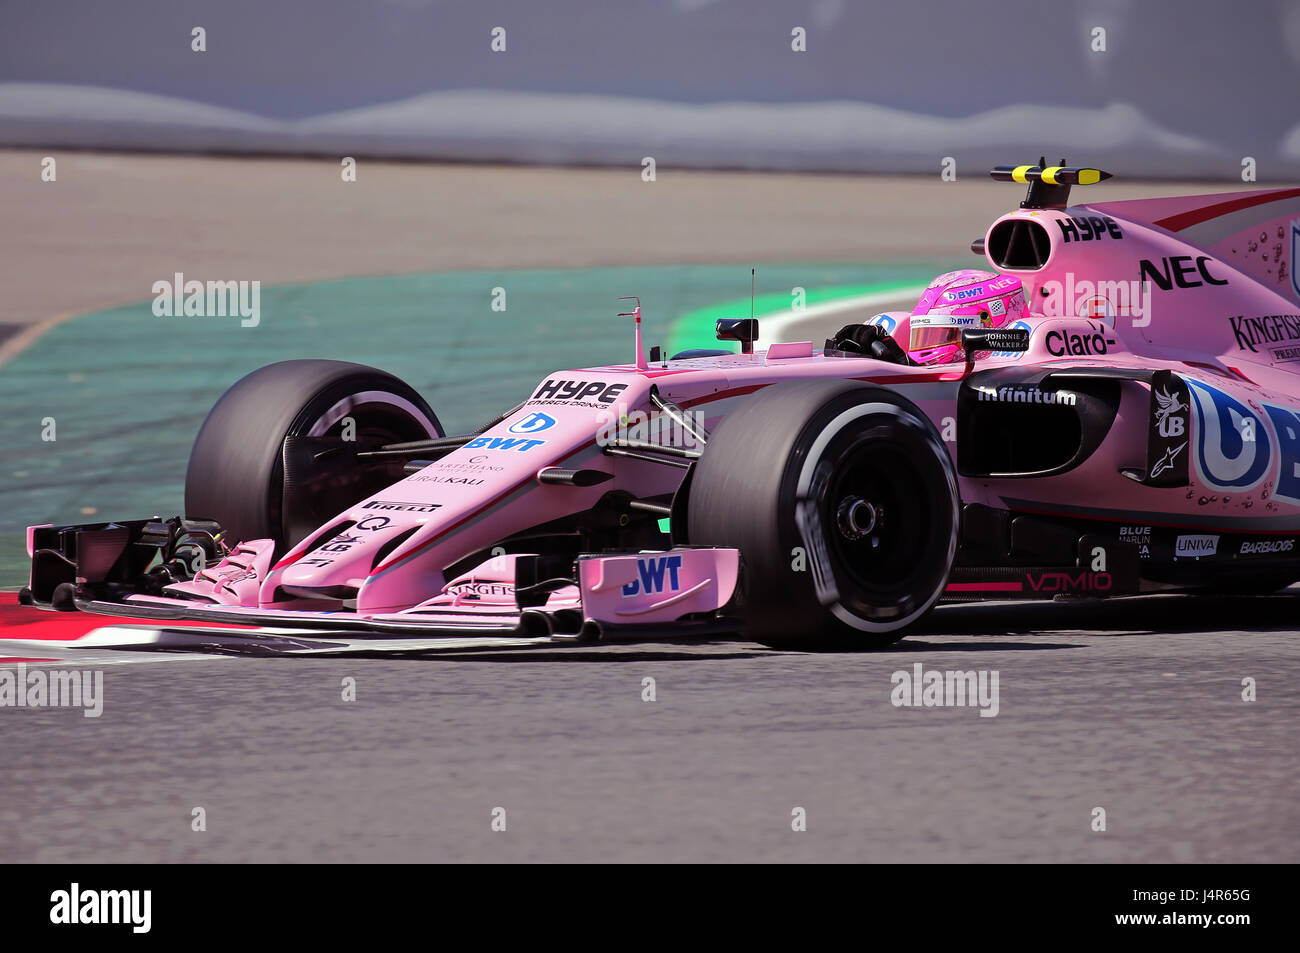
[744, 330]
[994, 339]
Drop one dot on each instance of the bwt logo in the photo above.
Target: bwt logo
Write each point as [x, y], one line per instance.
[886, 321]
[533, 423]
[518, 444]
[653, 573]
[1233, 449]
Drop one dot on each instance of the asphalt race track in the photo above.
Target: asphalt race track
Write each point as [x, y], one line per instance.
[1139, 714]
[1135, 707]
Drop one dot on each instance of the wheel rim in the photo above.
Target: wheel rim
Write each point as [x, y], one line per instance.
[378, 414]
[875, 480]
[378, 417]
[882, 579]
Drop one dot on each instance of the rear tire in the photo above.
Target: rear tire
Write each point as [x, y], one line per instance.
[843, 502]
[236, 471]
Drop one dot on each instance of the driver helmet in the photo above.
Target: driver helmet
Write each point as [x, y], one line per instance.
[956, 300]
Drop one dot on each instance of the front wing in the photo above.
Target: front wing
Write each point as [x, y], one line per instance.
[137, 569]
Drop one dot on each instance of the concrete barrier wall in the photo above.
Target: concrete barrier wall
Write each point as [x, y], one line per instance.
[1190, 88]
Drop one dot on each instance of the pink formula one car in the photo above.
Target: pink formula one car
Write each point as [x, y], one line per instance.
[1134, 428]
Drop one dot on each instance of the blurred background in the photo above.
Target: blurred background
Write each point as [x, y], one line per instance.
[1165, 89]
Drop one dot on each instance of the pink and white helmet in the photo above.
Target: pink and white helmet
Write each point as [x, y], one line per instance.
[956, 300]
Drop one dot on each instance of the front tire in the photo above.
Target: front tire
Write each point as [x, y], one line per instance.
[843, 502]
[236, 472]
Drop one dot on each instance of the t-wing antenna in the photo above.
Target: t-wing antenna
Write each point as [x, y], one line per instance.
[1049, 185]
[641, 364]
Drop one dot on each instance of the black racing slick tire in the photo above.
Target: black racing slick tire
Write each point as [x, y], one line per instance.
[236, 472]
[843, 502]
